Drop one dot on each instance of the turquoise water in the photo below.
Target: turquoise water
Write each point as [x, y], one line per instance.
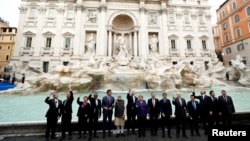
[19, 108]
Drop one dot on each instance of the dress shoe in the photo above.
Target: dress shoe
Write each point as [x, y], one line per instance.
[79, 137]
[198, 134]
[169, 136]
[53, 137]
[70, 137]
[62, 138]
[185, 136]
[122, 134]
[95, 136]
[117, 135]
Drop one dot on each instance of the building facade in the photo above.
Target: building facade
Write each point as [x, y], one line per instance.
[56, 32]
[234, 28]
[7, 44]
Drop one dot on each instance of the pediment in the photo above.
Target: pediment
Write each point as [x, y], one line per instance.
[48, 33]
[189, 37]
[173, 36]
[28, 33]
[204, 37]
[68, 34]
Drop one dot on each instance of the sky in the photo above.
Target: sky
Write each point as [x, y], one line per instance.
[9, 10]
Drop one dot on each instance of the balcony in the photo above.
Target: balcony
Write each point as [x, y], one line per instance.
[190, 53]
[67, 51]
[47, 50]
[205, 52]
[174, 52]
[27, 50]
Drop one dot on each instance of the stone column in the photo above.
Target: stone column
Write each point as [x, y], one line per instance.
[110, 44]
[164, 49]
[101, 49]
[78, 45]
[135, 44]
[143, 44]
[131, 43]
[114, 45]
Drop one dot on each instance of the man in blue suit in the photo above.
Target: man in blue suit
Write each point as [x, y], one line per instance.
[107, 105]
[166, 112]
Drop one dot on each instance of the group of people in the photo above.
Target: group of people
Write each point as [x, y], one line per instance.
[208, 109]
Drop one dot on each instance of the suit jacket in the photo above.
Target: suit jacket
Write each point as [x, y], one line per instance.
[166, 107]
[204, 103]
[107, 104]
[226, 107]
[95, 109]
[194, 113]
[180, 109]
[67, 104]
[131, 105]
[83, 110]
[153, 110]
[53, 111]
[213, 105]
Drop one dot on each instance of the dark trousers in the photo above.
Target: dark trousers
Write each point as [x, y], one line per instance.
[82, 125]
[51, 126]
[181, 125]
[213, 120]
[131, 114]
[204, 119]
[226, 120]
[66, 124]
[194, 125]
[153, 124]
[93, 123]
[165, 121]
[141, 126]
[107, 115]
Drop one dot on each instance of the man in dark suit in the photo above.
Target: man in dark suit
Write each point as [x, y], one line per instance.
[83, 114]
[95, 113]
[194, 112]
[67, 114]
[226, 108]
[154, 114]
[204, 108]
[213, 110]
[107, 105]
[166, 112]
[131, 110]
[53, 114]
[180, 114]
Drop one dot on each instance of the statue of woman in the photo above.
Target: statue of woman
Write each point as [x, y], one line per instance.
[90, 43]
[154, 44]
[122, 46]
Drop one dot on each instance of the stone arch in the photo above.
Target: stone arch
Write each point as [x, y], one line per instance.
[123, 13]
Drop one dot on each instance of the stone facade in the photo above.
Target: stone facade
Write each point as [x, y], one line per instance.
[68, 31]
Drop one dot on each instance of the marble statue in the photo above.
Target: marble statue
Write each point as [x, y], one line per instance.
[154, 44]
[121, 42]
[92, 16]
[90, 44]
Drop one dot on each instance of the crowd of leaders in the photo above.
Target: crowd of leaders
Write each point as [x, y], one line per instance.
[208, 110]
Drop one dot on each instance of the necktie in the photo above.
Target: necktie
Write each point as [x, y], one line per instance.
[225, 98]
[56, 103]
[194, 105]
[153, 102]
[180, 101]
[133, 99]
[164, 100]
[83, 105]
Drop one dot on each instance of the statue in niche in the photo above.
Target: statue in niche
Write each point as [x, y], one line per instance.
[154, 44]
[121, 42]
[92, 16]
[123, 52]
[90, 44]
[152, 19]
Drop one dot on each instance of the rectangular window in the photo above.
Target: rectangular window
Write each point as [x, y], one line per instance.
[67, 42]
[223, 14]
[28, 42]
[0, 47]
[224, 26]
[186, 19]
[226, 37]
[171, 17]
[229, 63]
[52, 13]
[236, 18]
[48, 42]
[198, 2]
[238, 32]
[240, 47]
[32, 13]
[173, 44]
[70, 14]
[9, 48]
[248, 11]
[10, 30]
[4, 30]
[189, 44]
[234, 5]
[7, 57]
[228, 50]
[204, 44]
